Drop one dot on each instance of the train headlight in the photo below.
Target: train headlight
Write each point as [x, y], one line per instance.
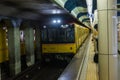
[58, 21]
[54, 21]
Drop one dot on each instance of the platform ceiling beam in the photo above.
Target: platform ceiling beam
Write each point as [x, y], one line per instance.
[77, 8]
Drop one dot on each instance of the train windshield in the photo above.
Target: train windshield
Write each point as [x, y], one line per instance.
[58, 35]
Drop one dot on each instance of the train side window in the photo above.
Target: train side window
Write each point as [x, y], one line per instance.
[70, 34]
[66, 35]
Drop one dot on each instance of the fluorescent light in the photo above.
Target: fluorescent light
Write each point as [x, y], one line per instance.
[56, 11]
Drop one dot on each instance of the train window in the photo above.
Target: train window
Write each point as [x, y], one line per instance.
[66, 35]
[62, 35]
[70, 34]
[44, 35]
[58, 35]
[52, 35]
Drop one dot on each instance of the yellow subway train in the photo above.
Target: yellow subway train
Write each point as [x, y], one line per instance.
[57, 42]
[3, 46]
[4, 54]
[62, 42]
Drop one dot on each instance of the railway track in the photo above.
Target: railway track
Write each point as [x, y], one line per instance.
[44, 71]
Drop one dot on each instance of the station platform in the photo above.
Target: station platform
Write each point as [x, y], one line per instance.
[82, 66]
[92, 67]
[118, 66]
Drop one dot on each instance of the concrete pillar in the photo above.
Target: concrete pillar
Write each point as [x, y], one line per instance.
[13, 47]
[107, 28]
[38, 44]
[118, 19]
[29, 43]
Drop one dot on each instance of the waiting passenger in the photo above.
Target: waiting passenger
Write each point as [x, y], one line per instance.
[95, 37]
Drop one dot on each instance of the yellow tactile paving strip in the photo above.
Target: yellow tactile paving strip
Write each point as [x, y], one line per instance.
[92, 69]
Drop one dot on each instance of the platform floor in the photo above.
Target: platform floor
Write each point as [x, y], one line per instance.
[118, 66]
[92, 69]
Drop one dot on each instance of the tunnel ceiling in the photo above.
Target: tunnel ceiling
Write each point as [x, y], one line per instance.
[32, 9]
